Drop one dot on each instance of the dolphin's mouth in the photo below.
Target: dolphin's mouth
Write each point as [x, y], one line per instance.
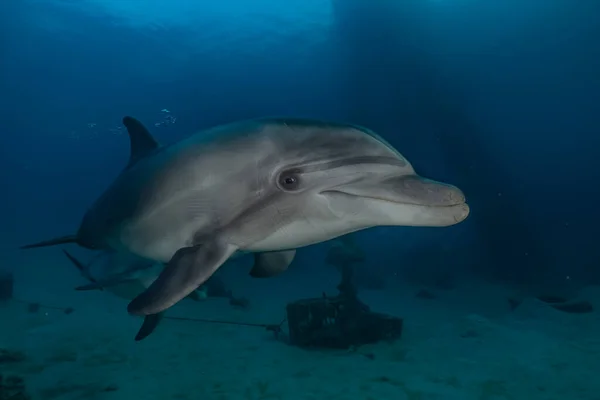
[453, 202]
[386, 211]
[407, 190]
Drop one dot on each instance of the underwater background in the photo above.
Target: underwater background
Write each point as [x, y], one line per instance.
[500, 98]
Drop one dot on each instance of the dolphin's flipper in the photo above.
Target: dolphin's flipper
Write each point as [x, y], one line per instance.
[141, 141]
[148, 326]
[81, 267]
[272, 263]
[52, 242]
[189, 268]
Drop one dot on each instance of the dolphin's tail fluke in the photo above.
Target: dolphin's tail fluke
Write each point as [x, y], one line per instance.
[52, 242]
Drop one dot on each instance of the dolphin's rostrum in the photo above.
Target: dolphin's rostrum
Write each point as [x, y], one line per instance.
[264, 186]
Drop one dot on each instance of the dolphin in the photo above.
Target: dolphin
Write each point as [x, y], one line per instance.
[126, 276]
[265, 186]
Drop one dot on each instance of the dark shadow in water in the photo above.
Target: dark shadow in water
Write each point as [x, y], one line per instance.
[391, 81]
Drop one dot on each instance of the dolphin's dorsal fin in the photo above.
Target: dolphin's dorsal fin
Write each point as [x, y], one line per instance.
[142, 142]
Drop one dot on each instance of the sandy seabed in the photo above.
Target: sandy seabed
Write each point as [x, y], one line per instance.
[464, 344]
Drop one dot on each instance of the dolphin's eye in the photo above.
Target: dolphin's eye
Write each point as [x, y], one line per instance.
[289, 181]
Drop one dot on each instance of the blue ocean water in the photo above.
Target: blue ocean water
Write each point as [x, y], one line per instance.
[498, 98]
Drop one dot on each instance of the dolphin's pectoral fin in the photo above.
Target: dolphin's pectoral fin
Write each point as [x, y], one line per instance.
[148, 326]
[189, 268]
[141, 141]
[272, 263]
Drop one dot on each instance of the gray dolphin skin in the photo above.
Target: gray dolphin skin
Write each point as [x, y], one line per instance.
[263, 186]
